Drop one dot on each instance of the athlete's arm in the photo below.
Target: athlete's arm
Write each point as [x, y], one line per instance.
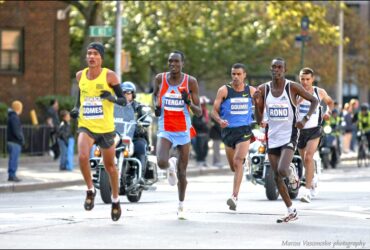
[215, 114]
[259, 103]
[194, 92]
[156, 88]
[76, 109]
[113, 82]
[329, 102]
[297, 89]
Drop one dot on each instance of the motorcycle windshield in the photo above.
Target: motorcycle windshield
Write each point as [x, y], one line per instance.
[124, 120]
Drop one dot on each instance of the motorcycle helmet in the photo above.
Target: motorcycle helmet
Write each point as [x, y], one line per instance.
[129, 86]
[365, 106]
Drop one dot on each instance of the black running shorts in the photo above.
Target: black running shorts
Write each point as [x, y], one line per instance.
[233, 136]
[308, 134]
[103, 140]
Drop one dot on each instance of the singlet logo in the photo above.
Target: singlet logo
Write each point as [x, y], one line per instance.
[239, 106]
[173, 102]
[278, 112]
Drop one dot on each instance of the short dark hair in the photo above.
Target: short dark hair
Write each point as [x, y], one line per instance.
[306, 71]
[239, 66]
[63, 113]
[52, 102]
[180, 53]
[280, 59]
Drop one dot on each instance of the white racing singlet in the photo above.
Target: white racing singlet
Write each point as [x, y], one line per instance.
[315, 119]
[282, 116]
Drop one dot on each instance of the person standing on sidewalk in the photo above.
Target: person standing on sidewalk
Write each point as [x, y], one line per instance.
[232, 109]
[279, 97]
[309, 136]
[15, 139]
[52, 120]
[94, 109]
[64, 133]
[175, 95]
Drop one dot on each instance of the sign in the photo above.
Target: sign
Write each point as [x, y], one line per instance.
[100, 31]
[302, 38]
[305, 23]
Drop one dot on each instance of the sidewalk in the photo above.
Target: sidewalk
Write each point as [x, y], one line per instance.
[42, 172]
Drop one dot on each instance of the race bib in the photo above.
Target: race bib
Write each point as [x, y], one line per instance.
[278, 112]
[92, 108]
[173, 102]
[239, 106]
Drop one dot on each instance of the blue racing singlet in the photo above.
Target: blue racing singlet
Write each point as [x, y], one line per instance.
[237, 107]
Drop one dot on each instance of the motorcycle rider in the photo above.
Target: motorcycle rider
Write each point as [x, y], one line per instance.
[129, 112]
[335, 123]
[364, 122]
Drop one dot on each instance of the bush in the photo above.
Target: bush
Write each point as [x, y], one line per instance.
[3, 113]
[43, 103]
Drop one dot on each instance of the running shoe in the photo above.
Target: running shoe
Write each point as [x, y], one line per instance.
[181, 213]
[289, 217]
[89, 201]
[293, 177]
[232, 202]
[306, 198]
[171, 174]
[116, 211]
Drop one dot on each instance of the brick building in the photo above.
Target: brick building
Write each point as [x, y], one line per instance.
[34, 51]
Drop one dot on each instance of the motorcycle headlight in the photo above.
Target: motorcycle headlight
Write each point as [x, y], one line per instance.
[261, 149]
[97, 152]
[256, 160]
[327, 129]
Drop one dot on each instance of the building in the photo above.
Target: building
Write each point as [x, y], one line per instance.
[34, 51]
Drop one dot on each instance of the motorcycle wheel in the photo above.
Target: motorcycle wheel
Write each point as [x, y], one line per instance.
[135, 197]
[326, 161]
[272, 193]
[105, 191]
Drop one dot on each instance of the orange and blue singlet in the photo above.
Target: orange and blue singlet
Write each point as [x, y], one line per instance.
[175, 122]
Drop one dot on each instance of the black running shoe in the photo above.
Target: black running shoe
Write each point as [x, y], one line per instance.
[289, 217]
[116, 211]
[89, 201]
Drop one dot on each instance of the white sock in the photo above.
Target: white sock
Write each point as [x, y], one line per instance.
[181, 204]
[115, 200]
[92, 189]
[290, 209]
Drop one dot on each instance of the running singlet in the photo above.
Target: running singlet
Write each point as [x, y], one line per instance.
[316, 118]
[282, 116]
[236, 108]
[175, 116]
[96, 114]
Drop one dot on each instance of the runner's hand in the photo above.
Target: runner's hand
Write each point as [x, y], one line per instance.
[74, 113]
[186, 97]
[107, 96]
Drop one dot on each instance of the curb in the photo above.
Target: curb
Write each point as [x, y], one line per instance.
[38, 186]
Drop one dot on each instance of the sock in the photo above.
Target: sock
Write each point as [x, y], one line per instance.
[92, 189]
[181, 204]
[115, 200]
[290, 209]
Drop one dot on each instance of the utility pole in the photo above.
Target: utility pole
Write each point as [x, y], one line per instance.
[340, 58]
[118, 41]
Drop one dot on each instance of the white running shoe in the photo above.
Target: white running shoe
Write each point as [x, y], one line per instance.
[181, 213]
[171, 173]
[306, 198]
[293, 177]
[313, 192]
[232, 203]
[292, 216]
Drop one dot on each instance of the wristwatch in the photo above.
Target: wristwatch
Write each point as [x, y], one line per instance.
[307, 117]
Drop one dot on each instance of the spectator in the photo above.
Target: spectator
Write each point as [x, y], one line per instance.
[15, 139]
[215, 135]
[347, 127]
[200, 125]
[355, 105]
[64, 133]
[52, 120]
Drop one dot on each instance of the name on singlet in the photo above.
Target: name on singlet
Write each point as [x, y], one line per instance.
[173, 102]
[92, 108]
[239, 105]
[278, 112]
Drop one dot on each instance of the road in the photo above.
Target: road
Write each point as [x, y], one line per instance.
[338, 218]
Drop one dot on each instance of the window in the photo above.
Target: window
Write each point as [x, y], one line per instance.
[11, 50]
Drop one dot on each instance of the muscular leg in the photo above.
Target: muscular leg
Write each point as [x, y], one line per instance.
[182, 164]
[84, 144]
[280, 165]
[108, 159]
[230, 152]
[163, 152]
[307, 157]
[241, 151]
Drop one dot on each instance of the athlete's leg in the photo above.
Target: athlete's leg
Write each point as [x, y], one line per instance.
[230, 152]
[308, 161]
[182, 164]
[163, 152]
[84, 145]
[241, 151]
[108, 159]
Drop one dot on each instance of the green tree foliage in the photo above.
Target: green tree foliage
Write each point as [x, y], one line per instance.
[212, 34]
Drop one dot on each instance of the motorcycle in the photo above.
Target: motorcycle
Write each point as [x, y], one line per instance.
[131, 181]
[329, 148]
[260, 171]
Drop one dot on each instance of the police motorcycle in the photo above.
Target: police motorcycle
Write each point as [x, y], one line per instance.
[260, 171]
[329, 146]
[131, 181]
